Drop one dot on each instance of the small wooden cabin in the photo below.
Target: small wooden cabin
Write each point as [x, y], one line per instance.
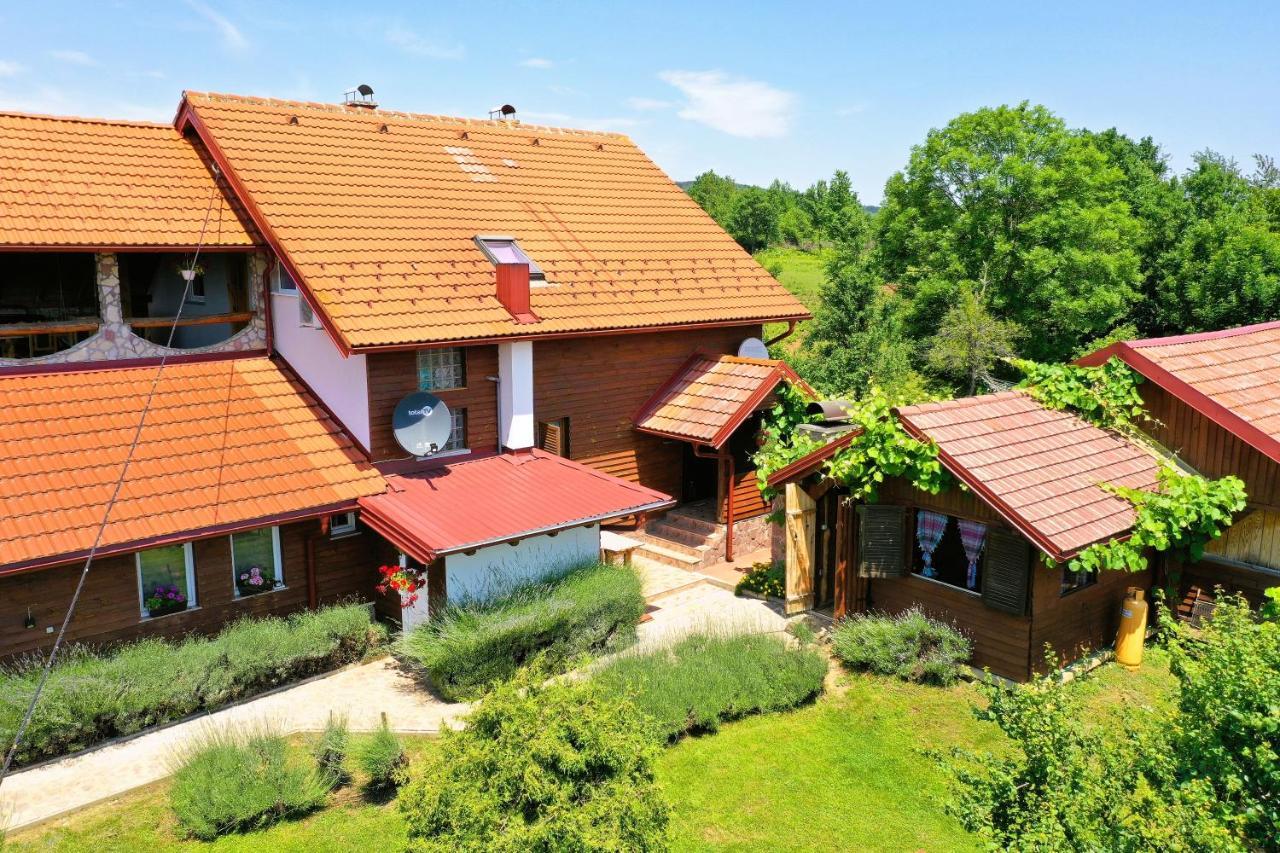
[1214, 400]
[989, 555]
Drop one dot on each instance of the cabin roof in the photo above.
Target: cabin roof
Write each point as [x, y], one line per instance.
[228, 443]
[710, 396]
[89, 183]
[1041, 469]
[377, 213]
[499, 498]
[1230, 376]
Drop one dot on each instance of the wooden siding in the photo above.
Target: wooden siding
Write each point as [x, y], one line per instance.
[599, 383]
[748, 502]
[109, 608]
[1079, 622]
[395, 374]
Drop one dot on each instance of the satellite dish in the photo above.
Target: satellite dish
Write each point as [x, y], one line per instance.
[753, 348]
[422, 423]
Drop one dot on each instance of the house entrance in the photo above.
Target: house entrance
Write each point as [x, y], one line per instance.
[700, 479]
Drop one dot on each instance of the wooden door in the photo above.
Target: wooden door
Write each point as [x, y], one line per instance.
[825, 550]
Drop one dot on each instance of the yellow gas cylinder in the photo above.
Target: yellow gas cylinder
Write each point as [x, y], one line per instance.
[1133, 629]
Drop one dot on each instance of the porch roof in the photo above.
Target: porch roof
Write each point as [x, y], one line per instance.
[710, 396]
[499, 498]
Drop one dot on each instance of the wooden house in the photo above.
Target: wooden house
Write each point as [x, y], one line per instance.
[544, 284]
[990, 554]
[1214, 402]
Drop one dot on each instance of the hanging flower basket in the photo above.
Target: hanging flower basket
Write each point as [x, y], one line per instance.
[254, 580]
[164, 599]
[403, 580]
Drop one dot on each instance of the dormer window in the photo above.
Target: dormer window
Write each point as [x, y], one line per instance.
[505, 250]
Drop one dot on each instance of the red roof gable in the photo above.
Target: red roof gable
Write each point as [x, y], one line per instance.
[1231, 377]
[1040, 468]
[496, 499]
[710, 396]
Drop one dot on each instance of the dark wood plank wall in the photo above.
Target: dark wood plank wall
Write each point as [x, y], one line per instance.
[1079, 622]
[747, 500]
[1210, 449]
[395, 374]
[109, 608]
[600, 382]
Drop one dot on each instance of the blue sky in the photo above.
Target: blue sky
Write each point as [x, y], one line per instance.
[755, 90]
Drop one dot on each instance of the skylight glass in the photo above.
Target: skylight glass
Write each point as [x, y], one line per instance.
[504, 250]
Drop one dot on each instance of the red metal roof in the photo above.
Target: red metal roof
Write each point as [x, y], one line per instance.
[710, 396]
[497, 499]
[1231, 377]
[1040, 468]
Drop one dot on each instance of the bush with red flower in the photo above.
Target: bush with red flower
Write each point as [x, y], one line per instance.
[404, 580]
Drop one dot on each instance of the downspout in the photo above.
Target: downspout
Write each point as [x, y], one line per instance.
[313, 589]
[497, 405]
[267, 316]
[791, 328]
[722, 457]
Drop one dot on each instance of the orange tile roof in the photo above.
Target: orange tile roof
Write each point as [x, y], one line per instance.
[1230, 376]
[377, 211]
[1041, 469]
[710, 396]
[226, 442]
[111, 184]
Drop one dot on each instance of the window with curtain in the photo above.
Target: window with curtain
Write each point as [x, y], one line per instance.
[942, 546]
[1072, 581]
[255, 561]
[166, 580]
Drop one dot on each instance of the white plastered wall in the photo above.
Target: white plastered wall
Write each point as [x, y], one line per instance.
[494, 569]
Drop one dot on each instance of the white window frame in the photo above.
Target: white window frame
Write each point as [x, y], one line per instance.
[346, 528]
[193, 594]
[306, 313]
[281, 581]
[457, 422]
[428, 354]
[278, 277]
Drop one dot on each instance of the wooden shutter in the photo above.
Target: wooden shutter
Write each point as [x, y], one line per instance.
[881, 541]
[1006, 573]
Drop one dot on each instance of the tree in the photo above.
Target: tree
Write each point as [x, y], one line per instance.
[753, 222]
[1012, 194]
[970, 341]
[715, 194]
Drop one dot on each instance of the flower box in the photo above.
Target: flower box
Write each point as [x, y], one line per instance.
[253, 580]
[165, 599]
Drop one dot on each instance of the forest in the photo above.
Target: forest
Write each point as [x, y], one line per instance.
[1009, 234]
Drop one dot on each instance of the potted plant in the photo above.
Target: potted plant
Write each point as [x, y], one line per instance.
[164, 599]
[404, 580]
[253, 580]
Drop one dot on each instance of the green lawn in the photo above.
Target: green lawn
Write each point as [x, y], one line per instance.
[846, 772]
[802, 272]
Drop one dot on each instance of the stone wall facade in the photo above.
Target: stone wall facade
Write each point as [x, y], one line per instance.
[115, 340]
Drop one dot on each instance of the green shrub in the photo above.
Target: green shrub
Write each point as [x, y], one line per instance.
[559, 766]
[94, 696]
[237, 781]
[382, 759]
[473, 645]
[765, 579]
[331, 752]
[701, 681]
[910, 645]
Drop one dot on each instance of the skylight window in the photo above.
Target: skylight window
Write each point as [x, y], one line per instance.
[505, 250]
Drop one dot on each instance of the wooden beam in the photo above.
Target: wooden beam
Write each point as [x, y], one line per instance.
[801, 512]
[197, 320]
[56, 327]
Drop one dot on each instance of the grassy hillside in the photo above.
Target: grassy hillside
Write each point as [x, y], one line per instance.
[799, 271]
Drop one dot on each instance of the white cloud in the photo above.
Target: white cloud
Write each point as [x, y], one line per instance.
[73, 57]
[648, 104]
[10, 69]
[230, 33]
[410, 42]
[734, 105]
[536, 62]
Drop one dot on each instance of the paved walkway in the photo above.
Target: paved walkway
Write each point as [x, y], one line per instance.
[680, 602]
[362, 692]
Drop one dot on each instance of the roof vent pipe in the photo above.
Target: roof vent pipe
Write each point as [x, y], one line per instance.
[506, 112]
[832, 410]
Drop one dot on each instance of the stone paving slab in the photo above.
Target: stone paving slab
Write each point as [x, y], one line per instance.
[362, 692]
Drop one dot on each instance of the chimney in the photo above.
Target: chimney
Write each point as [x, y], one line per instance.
[513, 291]
[361, 96]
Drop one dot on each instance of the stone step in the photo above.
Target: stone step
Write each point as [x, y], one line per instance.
[701, 526]
[667, 555]
[677, 534]
[696, 551]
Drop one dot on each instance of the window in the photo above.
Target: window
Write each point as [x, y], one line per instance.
[306, 316]
[505, 250]
[458, 431]
[553, 437]
[342, 524]
[255, 561]
[1072, 581]
[281, 281]
[166, 580]
[948, 541]
[442, 369]
[197, 294]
